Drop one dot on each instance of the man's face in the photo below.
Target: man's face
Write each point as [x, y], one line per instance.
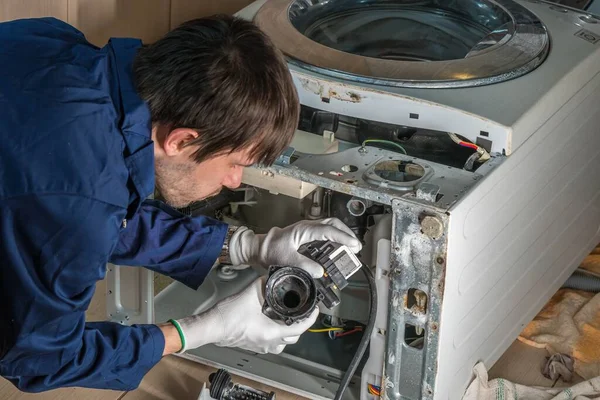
[181, 180]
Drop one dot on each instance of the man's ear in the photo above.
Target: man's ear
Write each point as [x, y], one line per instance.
[176, 141]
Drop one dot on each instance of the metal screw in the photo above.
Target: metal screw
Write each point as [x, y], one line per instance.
[432, 227]
[227, 273]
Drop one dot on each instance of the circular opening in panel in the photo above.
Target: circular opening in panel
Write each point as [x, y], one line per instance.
[349, 168]
[399, 171]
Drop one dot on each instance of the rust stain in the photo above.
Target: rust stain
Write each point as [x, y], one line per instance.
[442, 283]
[354, 96]
[347, 96]
[420, 306]
[323, 91]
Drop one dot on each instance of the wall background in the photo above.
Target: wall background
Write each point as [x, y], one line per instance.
[101, 19]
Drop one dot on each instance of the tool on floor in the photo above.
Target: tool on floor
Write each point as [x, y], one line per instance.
[223, 388]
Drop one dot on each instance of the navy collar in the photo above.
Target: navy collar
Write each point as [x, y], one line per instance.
[136, 123]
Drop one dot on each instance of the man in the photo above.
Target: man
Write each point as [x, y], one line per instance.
[87, 134]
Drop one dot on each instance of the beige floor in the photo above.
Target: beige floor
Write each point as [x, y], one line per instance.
[178, 379]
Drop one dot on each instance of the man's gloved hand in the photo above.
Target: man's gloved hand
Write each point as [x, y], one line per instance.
[238, 321]
[279, 246]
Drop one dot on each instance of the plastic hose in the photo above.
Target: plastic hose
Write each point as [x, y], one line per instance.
[366, 338]
[582, 281]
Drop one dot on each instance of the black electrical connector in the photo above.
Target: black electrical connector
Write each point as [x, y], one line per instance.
[339, 264]
[291, 294]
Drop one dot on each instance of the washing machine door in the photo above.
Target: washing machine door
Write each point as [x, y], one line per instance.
[408, 43]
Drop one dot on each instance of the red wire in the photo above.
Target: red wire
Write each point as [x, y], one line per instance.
[373, 390]
[358, 329]
[470, 145]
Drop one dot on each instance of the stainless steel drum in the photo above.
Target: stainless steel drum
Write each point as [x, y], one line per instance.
[431, 43]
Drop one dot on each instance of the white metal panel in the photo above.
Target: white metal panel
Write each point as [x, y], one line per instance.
[517, 237]
[505, 103]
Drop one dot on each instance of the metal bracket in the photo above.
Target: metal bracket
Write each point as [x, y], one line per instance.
[286, 157]
[417, 276]
[129, 295]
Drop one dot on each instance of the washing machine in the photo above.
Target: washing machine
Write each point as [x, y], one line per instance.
[461, 141]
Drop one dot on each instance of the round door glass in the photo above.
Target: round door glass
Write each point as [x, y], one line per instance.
[403, 30]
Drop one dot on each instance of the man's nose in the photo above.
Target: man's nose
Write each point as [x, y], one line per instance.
[234, 179]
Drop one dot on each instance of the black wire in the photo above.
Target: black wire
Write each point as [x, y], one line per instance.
[471, 161]
[366, 338]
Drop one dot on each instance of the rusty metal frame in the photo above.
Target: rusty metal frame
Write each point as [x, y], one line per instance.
[452, 183]
[419, 240]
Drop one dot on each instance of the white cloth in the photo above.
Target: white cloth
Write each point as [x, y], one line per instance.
[238, 321]
[497, 389]
[279, 246]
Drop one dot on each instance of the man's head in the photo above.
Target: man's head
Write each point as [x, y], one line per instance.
[221, 98]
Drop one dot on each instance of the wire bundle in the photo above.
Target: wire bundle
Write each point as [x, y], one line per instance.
[366, 337]
[469, 145]
[374, 390]
[481, 154]
[338, 331]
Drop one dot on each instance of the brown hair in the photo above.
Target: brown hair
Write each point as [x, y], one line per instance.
[222, 77]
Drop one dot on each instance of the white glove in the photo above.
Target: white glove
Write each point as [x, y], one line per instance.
[238, 321]
[280, 246]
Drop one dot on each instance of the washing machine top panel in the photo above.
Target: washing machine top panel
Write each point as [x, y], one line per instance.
[408, 43]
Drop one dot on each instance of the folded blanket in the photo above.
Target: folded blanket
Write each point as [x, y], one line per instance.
[481, 389]
[570, 325]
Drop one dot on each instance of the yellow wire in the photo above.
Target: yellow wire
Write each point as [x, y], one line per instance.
[325, 330]
[373, 391]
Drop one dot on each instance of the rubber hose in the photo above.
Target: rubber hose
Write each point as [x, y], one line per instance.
[582, 281]
[366, 338]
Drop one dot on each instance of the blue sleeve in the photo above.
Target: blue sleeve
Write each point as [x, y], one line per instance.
[54, 249]
[166, 241]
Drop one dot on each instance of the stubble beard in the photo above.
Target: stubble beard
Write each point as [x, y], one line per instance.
[173, 182]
